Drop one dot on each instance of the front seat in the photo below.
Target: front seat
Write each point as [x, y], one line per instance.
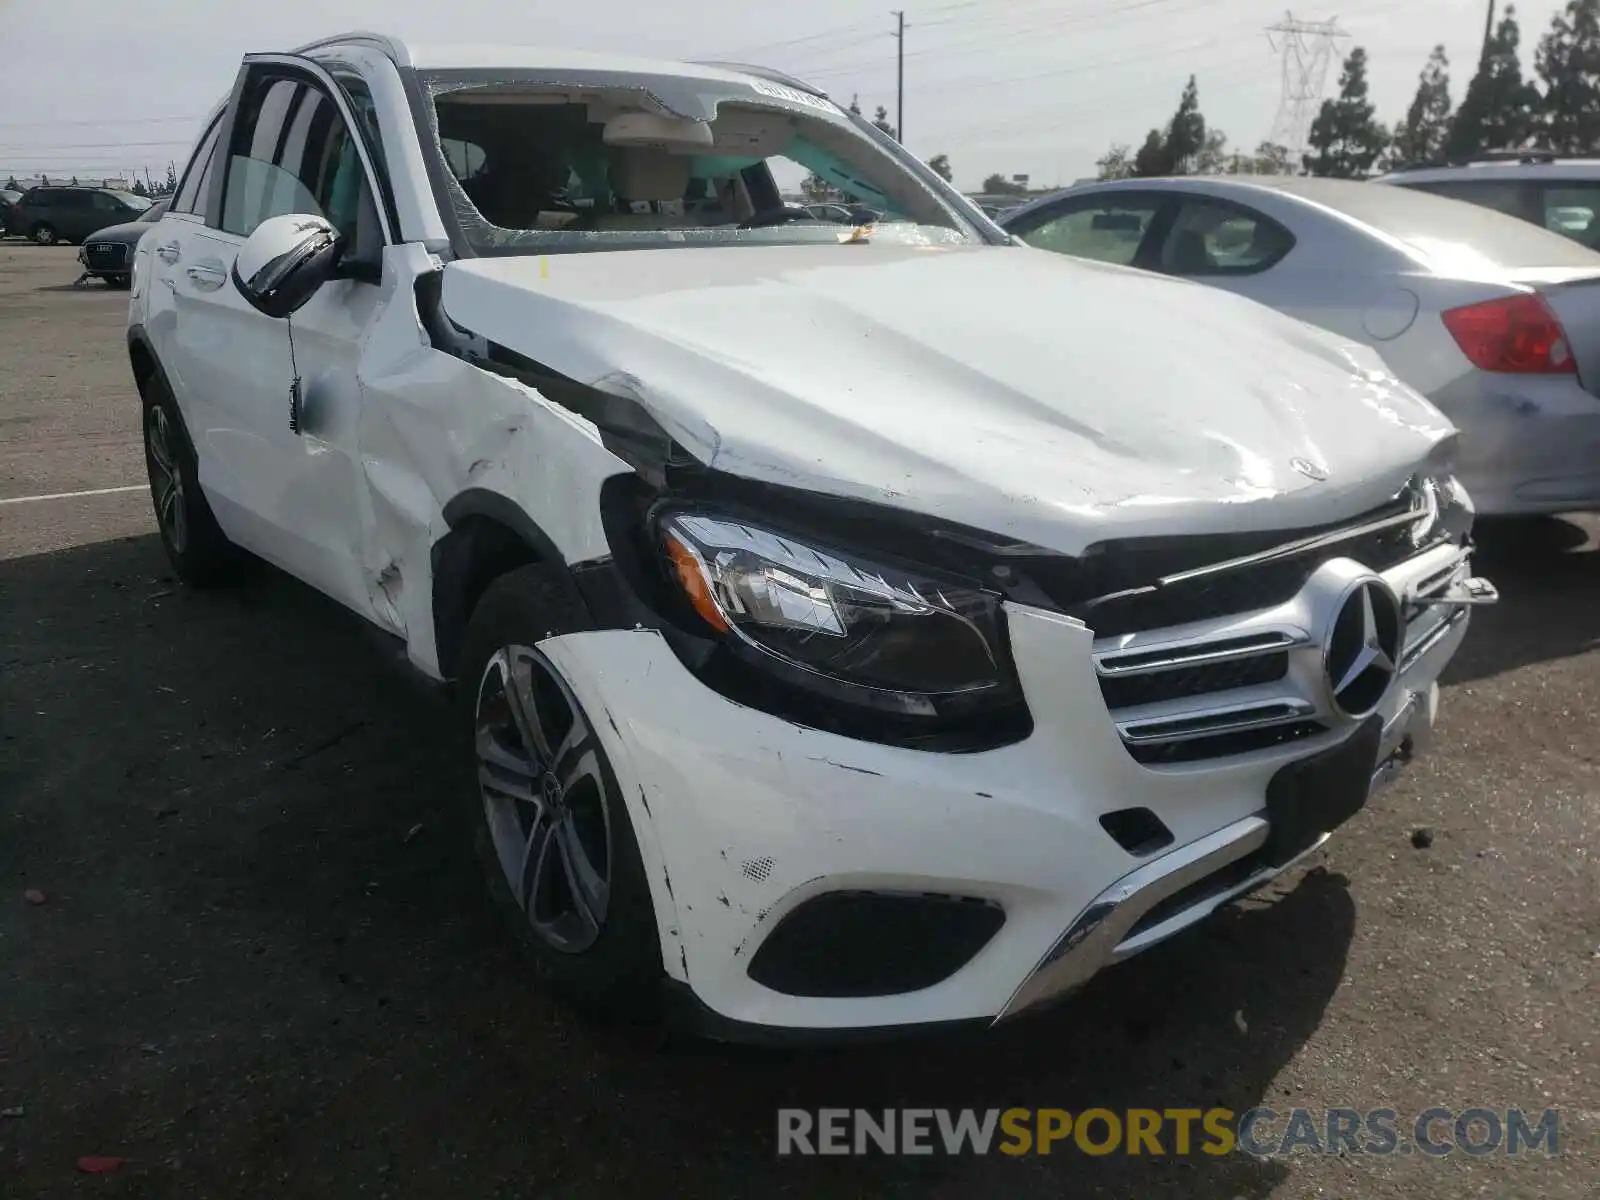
[640, 175]
[1189, 255]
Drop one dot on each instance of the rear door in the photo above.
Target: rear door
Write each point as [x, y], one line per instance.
[76, 212]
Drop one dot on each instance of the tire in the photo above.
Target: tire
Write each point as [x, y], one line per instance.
[539, 829]
[200, 553]
[120, 283]
[44, 234]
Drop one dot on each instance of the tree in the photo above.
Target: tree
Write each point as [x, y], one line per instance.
[881, 120]
[11, 183]
[998, 185]
[1214, 158]
[1271, 158]
[1568, 65]
[139, 188]
[1499, 109]
[74, 181]
[1346, 136]
[171, 183]
[939, 164]
[815, 188]
[1421, 136]
[1186, 133]
[1151, 159]
[855, 105]
[1117, 162]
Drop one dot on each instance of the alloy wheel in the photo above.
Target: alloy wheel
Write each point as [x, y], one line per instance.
[545, 798]
[166, 480]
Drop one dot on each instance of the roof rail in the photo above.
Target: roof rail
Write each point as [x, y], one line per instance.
[1516, 156]
[768, 74]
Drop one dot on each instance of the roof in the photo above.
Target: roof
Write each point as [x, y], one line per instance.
[450, 56]
[1512, 169]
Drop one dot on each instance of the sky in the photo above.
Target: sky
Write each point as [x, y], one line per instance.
[1035, 87]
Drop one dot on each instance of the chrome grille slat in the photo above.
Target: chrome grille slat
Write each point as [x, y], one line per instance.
[1212, 721]
[1199, 652]
[1224, 684]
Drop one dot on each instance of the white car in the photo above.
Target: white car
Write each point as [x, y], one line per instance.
[854, 627]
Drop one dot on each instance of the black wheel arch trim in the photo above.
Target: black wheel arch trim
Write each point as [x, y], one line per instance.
[595, 586]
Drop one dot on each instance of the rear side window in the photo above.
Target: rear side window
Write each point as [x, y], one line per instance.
[197, 179]
[1503, 195]
[1210, 238]
[1572, 210]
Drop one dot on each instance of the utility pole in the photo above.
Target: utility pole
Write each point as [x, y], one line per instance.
[900, 75]
[1307, 50]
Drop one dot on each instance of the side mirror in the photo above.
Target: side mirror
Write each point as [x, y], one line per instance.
[283, 263]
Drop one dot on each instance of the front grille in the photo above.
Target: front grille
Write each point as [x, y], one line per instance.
[1245, 589]
[1178, 682]
[1224, 745]
[105, 254]
[1180, 693]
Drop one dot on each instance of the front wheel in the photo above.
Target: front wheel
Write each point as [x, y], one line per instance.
[551, 824]
[199, 551]
[44, 234]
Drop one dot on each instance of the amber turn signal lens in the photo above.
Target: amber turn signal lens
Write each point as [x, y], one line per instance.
[695, 584]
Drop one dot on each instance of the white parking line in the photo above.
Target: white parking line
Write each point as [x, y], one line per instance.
[136, 487]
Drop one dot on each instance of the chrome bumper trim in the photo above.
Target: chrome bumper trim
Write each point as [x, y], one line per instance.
[1103, 933]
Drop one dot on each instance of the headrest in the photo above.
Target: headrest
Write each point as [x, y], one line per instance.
[643, 174]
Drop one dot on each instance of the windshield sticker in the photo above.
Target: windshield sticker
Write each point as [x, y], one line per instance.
[794, 96]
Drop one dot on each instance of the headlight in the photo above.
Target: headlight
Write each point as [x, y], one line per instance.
[855, 630]
[1444, 510]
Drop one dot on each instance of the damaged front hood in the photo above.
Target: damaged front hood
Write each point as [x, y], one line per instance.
[1042, 398]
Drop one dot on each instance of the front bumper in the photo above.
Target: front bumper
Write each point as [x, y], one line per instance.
[744, 817]
[106, 259]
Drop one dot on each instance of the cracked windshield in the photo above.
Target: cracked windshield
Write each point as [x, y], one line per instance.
[537, 168]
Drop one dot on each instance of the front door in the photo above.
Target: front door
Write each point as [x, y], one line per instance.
[290, 490]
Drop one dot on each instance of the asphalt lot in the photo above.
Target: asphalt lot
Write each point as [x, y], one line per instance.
[265, 964]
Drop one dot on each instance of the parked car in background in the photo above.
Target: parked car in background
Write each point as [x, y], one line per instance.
[8, 197]
[108, 253]
[1496, 321]
[850, 628]
[66, 213]
[1560, 194]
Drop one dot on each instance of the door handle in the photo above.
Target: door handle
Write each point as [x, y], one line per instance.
[168, 253]
[207, 276]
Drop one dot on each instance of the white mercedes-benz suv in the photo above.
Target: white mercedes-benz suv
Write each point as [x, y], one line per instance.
[854, 626]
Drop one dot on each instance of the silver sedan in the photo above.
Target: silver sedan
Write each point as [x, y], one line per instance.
[1494, 320]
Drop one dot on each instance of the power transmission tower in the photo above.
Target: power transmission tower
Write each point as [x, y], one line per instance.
[1307, 50]
[900, 75]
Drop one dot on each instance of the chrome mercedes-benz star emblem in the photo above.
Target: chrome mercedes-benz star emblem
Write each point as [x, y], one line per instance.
[1309, 469]
[1362, 653]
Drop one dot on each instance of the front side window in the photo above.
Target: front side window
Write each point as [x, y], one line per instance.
[611, 160]
[292, 153]
[1105, 230]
